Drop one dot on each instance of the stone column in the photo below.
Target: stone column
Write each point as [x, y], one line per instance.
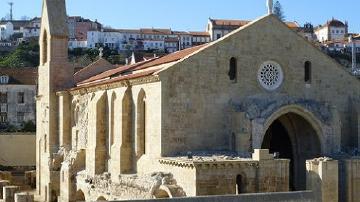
[24, 197]
[5, 175]
[322, 177]
[3, 183]
[9, 192]
[240, 140]
[65, 119]
[352, 180]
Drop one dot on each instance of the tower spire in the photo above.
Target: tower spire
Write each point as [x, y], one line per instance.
[11, 4]
[270, 6]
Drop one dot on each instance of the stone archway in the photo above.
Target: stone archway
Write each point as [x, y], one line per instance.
[296, 138]
[79, 196]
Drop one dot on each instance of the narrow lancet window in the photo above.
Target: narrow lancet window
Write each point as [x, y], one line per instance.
[307, 72]
[232, 69]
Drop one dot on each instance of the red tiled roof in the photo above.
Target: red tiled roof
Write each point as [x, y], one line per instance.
[155, 31]
[335, 23]
[206, 34]
[20, 76]
[220, 22]
[171, 40]
[240, 23]
[107, 76]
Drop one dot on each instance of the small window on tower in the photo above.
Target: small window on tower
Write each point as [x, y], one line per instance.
[307, 72]
[232, 69]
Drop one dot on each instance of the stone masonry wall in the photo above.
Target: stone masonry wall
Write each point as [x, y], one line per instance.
[198, 91]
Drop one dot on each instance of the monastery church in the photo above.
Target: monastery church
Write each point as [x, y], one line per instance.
[195, 122]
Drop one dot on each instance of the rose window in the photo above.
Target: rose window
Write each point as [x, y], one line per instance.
[270, 75]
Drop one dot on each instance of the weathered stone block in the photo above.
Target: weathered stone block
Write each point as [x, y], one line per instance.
[3, 183]
[262, 154]
[5, 175]
[322, 178]
[9, 193]
[24, 197]
[30, 178]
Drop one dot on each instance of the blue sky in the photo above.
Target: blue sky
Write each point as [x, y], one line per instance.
[192, 15]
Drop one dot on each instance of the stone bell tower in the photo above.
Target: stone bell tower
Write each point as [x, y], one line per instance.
[54, 74]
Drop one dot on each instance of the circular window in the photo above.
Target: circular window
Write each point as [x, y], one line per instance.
[270, 75]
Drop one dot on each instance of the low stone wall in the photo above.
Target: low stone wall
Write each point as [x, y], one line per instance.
[17, 149]
[303, 196]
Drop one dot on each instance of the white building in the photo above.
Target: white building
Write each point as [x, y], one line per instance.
[356, 42]
[171, 45]
[32, 30]
[218, 28]
[185, 39]
[333, 30]
[73, 43]
[198, 38]
[17, 96]
[6, 30]
[154, 44]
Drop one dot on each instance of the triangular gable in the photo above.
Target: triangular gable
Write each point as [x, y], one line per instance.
[272, 19]
[93, 69]
[54, 22]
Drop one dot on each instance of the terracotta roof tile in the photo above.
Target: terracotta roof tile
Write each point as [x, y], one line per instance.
[99, 79]
[20, 76]
[240, 23]
[206, 34]
[220, 22]
[155, 31]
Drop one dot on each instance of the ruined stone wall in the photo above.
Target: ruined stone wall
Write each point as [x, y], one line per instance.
[17, 149]
[198, 94]
[351, 187]
[303, 196]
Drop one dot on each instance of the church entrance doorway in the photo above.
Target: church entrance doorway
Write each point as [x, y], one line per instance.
[292, 137]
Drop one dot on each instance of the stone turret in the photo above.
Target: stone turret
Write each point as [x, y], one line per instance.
[54, 74]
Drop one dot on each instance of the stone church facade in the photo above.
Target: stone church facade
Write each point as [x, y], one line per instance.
[186, 124]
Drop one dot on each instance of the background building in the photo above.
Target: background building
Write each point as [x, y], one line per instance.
[17, 96]
[333, 30]
[6, 30]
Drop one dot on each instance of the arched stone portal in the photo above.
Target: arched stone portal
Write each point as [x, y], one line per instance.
[79, 196]
[294, 138]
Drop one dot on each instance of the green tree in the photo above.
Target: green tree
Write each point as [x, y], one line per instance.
[278, 11]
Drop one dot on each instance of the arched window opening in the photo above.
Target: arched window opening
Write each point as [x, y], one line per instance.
[79, 196]
[307, 72]
[127, 147]
[101, 199]
[232, 69]
[112, 119]
[239, 184]
[44, 51]
[141, 124]
[101, 137]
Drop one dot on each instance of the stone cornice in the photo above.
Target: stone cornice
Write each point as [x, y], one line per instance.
[209, 164]
[116, 84]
